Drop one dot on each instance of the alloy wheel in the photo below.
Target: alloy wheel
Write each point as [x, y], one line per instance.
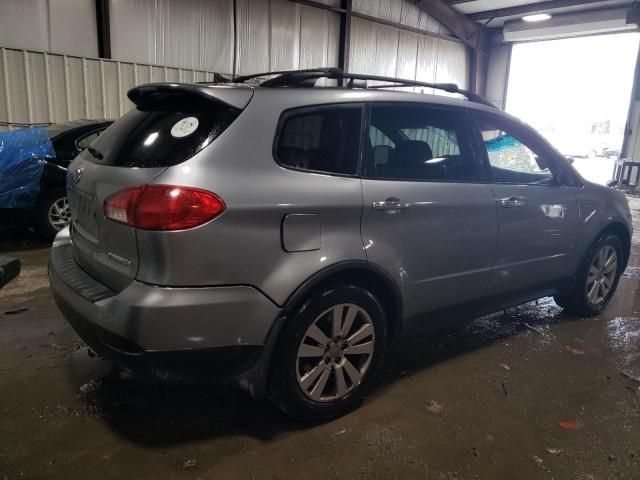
[335, 352]
[601, 275]
[59, 213]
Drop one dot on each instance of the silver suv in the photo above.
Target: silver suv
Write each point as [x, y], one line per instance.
[278, 236]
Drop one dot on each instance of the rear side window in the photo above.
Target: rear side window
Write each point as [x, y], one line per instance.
[322, 139]
[160, 138]
[420, 142]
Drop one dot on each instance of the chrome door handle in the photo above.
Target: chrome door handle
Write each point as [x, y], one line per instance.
[512, 202]
[390, 204]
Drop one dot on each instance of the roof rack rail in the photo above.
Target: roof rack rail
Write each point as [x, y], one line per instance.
[307, 78]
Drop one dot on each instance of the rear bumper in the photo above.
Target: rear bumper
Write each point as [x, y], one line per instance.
[193, 334]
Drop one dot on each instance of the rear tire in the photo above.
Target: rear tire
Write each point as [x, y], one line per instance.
[597, 278]
[329, 354]
[52, 213]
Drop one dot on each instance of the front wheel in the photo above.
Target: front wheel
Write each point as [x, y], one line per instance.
[328, 355]
[597, 278]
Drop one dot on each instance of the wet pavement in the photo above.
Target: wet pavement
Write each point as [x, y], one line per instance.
[527, 393]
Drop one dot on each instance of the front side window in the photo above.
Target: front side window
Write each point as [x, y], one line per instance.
[420, 142]
[510, 159]
[321, 139]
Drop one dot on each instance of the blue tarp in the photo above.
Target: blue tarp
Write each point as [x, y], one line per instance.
[22, 158]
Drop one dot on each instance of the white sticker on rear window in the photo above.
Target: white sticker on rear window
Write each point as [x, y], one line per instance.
[184, 127]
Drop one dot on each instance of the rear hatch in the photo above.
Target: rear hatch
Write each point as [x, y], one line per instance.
[170, 124]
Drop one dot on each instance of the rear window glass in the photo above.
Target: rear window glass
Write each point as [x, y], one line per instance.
[159, 138]
[322, 139]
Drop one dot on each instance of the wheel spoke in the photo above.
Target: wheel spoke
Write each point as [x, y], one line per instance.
[362, 333]
[310, 351]
[341, 384]
[608, 281]
[315, 333]
[307, 380]
[360, 349]
[601, 292]
[354, 374]
[317, 390]
[593, 273]
[352, 311]
[611, 267]
[592, 293]
[336, 322]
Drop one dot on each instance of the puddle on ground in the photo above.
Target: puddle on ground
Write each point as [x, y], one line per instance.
[624, 340]
[632, 271]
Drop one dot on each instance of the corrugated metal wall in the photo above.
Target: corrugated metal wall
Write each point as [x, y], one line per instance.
[40, 87]
[264, 34]
[227, 36]
[61, 26]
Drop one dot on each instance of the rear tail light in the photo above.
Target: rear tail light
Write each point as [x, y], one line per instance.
[163, 207]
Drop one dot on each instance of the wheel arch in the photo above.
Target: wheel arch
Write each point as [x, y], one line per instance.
[621, 231]
[358, 272]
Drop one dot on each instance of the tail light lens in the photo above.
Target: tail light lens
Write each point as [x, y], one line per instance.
[163, 207]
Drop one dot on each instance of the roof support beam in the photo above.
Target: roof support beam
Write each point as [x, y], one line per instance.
[469, 32]
[529, 9]
[103, 27]
[345, 36]
[472, 34]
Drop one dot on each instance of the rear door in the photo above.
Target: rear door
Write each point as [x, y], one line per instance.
[168, 126]
[537, 207]
[429, 217]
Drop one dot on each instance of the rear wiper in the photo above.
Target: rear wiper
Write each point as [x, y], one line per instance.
[95, 153]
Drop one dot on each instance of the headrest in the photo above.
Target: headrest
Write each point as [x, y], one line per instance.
[411, 153]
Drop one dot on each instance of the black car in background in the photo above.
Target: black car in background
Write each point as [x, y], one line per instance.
[51, 211]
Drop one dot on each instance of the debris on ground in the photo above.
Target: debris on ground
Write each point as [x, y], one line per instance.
[504, 389]
[569, 425]
[630, 377]
[533, 329]
[553, 451]
[538, 461]
[190, 463]
[574, 351]
[90, 386]
[506, 366]
[435, 407]
[341, 432]
[16, 311]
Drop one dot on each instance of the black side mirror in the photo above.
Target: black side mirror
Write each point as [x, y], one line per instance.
[9, 269]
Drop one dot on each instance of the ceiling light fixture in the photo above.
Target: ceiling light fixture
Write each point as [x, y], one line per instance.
[538, 17]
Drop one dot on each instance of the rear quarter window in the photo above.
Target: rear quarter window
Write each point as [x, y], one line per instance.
[321, 139]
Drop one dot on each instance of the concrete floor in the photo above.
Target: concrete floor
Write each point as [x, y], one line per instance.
[530, 393]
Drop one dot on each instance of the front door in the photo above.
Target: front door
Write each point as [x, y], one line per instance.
[429, 217]
[537, 209]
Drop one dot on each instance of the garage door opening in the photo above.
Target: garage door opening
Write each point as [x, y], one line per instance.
[576, 93]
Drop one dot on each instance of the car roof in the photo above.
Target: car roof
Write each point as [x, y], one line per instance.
[58, 128]
[299, 96]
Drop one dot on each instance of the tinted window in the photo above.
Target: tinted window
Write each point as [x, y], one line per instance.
[511, 159]
[160, 138]
[85, 141]
[417, 142]
[323, 139]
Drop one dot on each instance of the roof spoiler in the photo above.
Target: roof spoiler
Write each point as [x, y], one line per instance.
[149, 95]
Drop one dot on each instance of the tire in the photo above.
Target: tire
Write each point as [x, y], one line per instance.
[45, 206]
[580, 301]
[326, 383]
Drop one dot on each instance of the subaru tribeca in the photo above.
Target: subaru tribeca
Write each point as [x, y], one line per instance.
[277, 236]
